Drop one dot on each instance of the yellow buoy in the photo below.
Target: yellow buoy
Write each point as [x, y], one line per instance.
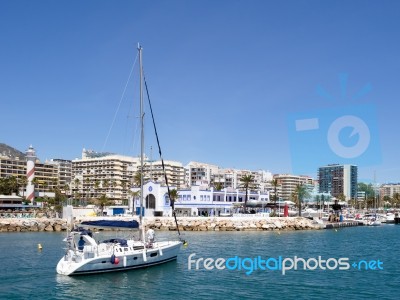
[39, 246]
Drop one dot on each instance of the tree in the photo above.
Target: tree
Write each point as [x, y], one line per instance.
[301, 193]
[341, 197]
[59, 198]
[8, 185]
[218, 186]
[36, 183]
[102, 202]
[247, 182]
[173, 195]
[66, 189]
[96, 186]
[106, 184]
[396, 199]
[22, 182]
[275, 183]
[137, 178]
[135, 194]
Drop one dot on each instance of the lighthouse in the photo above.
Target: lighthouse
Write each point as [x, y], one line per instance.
[30, 173]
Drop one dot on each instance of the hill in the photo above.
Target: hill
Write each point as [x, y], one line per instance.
[9, 151]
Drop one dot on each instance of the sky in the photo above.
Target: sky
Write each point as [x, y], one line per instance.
[228, 81]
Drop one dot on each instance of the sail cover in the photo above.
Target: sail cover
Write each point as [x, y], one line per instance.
[111, 224]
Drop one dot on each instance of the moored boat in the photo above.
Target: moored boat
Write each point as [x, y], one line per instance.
[117, 254]
[86, 256]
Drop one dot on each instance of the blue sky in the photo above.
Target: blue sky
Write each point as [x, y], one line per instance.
[224, 77]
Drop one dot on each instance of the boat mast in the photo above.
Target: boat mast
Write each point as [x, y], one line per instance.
[142, 132]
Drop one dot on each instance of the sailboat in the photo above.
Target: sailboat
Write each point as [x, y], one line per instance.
[374, 220]
[84, 255]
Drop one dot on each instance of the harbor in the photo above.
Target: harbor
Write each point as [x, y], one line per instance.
[21, 249]
[252, 223]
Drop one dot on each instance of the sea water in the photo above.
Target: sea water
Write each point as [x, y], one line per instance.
[29, 273]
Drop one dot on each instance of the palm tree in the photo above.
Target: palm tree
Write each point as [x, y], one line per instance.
[137, 178]
[218, 186]
[102, 202]
[396, 199]
[96, 186]
[106, 184]
[36, 183]
[275, 183]
[8, 185]
[173, 195]
[87, 183]
[66, 189]
[135, 194]
[247, 182]
[301, 193]
[22, 182]
[13, 183]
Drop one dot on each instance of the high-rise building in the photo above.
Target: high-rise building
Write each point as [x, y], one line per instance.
[207, 175]
[174, 171]
[200, 173]
[40, 178]
[389, 190]
[98, 174]
[64, 169]
[287, 184]
[338, 180]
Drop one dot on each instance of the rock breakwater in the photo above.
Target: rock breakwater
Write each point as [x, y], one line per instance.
[165, 223]
[232, 224]
[32, 224]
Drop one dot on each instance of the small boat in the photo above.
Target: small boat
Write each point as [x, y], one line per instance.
[374, 222]
[86, 256]
[390, 218]
[116, 254]
[310, 213]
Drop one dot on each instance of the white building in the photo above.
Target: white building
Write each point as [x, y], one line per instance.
[155, 200]
[287, 184]
[173, 169]
[103, 173]
[208, 175]
[195, 201]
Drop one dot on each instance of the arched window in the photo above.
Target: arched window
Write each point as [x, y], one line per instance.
[150, 201]
[166, 199]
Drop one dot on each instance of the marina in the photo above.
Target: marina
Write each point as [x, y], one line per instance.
[173, 280]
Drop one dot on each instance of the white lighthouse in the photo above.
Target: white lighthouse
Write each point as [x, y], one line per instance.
[30, 173]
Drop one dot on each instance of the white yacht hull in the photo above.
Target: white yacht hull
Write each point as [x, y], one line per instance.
[99, 259]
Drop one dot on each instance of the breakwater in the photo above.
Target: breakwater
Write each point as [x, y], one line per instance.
[232, 224]
[32, 224]
[252, 223]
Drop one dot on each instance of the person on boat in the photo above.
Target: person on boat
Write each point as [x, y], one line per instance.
[81, 244]
[337, 209]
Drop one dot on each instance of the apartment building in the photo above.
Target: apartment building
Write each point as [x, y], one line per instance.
[174, 171]
[389, 190]
[47, 174]
[97, 174]
[338, 180]
[287, 184]
[208, 175]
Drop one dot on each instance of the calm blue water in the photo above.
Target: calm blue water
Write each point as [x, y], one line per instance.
[27, 273]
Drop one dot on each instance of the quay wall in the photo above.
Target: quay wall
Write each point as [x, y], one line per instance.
[168, 223]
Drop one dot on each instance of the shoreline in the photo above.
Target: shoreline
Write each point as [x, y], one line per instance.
[168, 224]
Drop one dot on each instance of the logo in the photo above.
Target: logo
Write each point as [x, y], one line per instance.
[344, 134]
[283, 265]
